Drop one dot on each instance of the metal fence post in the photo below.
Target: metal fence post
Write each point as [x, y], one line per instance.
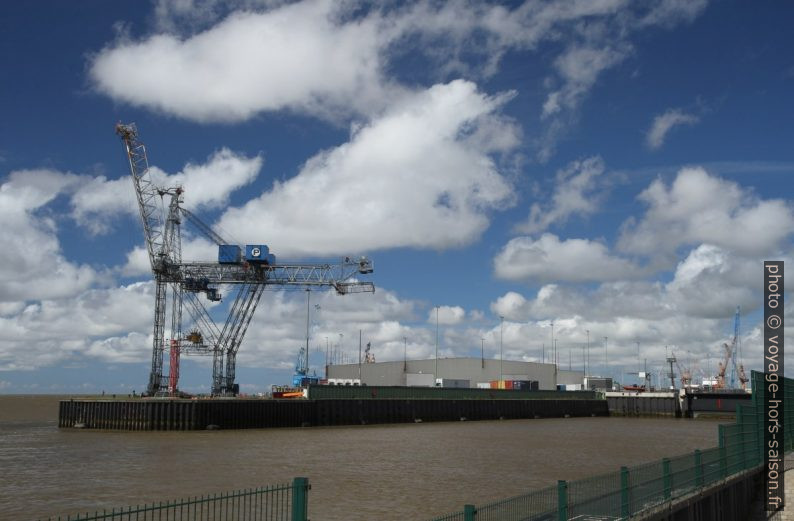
[667, 478]
[698, 468]
[723, 452]
[562, 500]
[300, 499]
[469, 513]
[624, 493]
[740, 421]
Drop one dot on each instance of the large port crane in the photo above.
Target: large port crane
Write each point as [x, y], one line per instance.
[245, 271]
[731, 360]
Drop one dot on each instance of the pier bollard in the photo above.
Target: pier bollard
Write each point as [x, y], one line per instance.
[562, 500]
[624, 492]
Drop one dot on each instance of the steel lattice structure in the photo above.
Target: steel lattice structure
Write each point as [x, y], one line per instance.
[246, 280]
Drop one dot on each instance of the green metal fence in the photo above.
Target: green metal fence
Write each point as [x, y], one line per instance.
[632, 490]
[287, 502]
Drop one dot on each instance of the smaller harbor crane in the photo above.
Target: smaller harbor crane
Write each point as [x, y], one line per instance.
[730, 359]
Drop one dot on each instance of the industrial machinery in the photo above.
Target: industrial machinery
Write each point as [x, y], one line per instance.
[241, 271]
[732, 357]
[684, 373]
[301, 377]
[369, 356]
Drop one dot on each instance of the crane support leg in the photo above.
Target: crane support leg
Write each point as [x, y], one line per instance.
[156, 376]
[217, 371]
[173, 373]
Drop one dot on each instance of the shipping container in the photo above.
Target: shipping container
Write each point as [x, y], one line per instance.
[257, 253]
[229, 254]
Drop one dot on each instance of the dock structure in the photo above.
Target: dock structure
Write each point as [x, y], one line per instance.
[188, 415]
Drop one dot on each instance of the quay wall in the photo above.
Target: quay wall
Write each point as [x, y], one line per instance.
[643, 404]
[186, 415]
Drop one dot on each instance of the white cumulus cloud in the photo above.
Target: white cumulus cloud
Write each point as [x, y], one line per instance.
[549, 259]
[32, 265]
[205, 185]
[698, 207]
[419, 176]
[447, 315]
[301, 56]
[575, 193]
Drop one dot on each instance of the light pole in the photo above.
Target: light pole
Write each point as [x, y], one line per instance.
[435, 372]
[606, 362]
[308, 297]
[553, 354]
[587, 362]
[405, 354]
[482, 351]
[501, 356]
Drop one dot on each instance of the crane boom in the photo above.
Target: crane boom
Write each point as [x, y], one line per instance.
[145, 191]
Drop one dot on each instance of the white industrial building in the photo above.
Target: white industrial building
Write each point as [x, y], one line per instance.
[453, 372]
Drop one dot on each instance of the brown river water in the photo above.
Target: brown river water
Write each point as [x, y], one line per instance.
[373, 472]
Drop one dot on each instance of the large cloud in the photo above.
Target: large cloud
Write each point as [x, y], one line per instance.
[33, 266]
[700, 208]
[207, 62]
[206, 185]
[299, 56]
[419, 176]
[551, 259]
[63, 330]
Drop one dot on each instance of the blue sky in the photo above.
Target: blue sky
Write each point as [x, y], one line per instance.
[616, 168]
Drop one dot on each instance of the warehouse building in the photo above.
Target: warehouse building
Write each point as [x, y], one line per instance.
[452, 372]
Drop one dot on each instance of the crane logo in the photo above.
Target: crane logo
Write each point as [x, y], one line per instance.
[255, 252]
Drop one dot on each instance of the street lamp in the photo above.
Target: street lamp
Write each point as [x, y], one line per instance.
[405, 354]
[435, 372]
[482, 351]
[587, 363]
[606, 361]
[501, 357]
[308, 297]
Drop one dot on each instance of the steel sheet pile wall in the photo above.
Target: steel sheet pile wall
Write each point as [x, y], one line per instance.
[249, 414]
[644, 405]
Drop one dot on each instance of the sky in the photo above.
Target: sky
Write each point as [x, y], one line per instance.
[619, 169]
